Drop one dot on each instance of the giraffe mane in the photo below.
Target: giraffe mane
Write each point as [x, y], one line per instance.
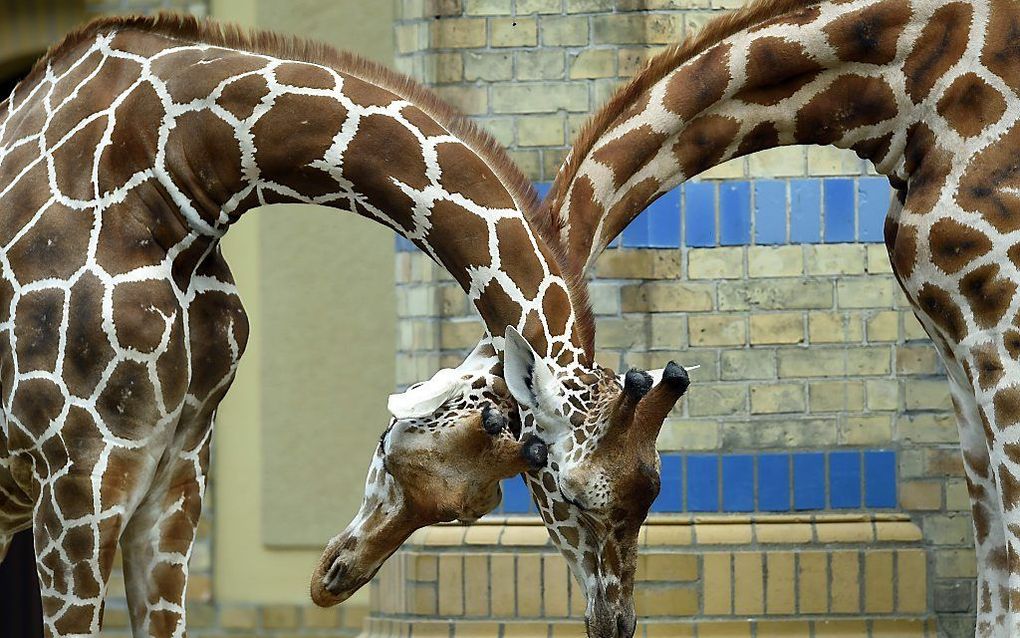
[655, 69]
[191, 29]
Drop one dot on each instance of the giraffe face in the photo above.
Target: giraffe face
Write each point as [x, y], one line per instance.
[603, 470]
[438, 467]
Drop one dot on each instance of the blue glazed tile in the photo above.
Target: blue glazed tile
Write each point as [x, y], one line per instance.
[699, 213]
[880, 478]
[635, 235]
[774, 482]
[735, 213]
[738, 483]
[664, 221]
[543, 188]
[845, 480]
[839, 210]
[404, 245]
[671, 497]
[703, 483]
[873, 196]
[809, 481]
[805, 211]
[516, 497]
[770, 212]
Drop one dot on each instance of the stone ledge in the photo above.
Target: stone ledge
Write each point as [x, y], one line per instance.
[682, 531]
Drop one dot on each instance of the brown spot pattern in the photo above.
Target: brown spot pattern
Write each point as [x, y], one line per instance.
[991, 175]
[941, 45]
[703, 142]
[869, 35]
[776, 70]
[1001, 53]
[850, 102]
[989, 296]
[954, 245]
[700, 83]
[928, 166]
[970, 105]
[941, 309]
[627, 154]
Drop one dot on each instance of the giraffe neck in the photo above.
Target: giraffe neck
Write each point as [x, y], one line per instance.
[225, 130]
[810, 76]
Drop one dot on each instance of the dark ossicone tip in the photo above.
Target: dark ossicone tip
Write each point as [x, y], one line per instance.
[492, 421]
[535, 452]
[676, 376]
[637, 383]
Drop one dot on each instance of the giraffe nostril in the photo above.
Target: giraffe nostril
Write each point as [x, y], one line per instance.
[333, 580]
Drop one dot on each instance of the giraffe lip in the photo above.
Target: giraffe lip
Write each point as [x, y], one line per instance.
[333, 579]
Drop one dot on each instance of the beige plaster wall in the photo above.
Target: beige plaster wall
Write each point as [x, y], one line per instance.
[295, 433]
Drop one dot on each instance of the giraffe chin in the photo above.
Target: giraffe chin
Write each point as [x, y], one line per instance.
[335, 584]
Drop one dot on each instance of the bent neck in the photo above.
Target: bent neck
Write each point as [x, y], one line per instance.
[261, 130]
[856, 75]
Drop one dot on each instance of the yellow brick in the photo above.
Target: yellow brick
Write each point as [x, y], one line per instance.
[555, 582]
[717, 330]
[724, 630]
[911, 581]
[668, 630]
[317, 617]
[667, 297]
[525, 535]
[920, 495]
[784, 629]
[451, 585]
[779, 584]
[830, 327]
[424, 597]
[878, 582]
[733, 169]
[834, 259]
[238, 617]
[793, 533]
[778, 162]
[777, 328]
[529, 596]
[882, 394]
[748, 594]
[578, 600]
[476, 629]
[564, 31]
[514, 32]
[639, 264]
[502, 583]
[567, 630]
[659, 535]
[444, 535]
[715, 263]
[865, 292]
[665, 600]
[863, 430]
[540, 130]
[775, 261]
[829, 160]
[717, 587]
[897, 532]
[898, 628]
[845, 582]
[723, 533]
[912, 328]
[777, 398]
[525, 630]
[454, 33]
[482, 535]
[593, 63]
[874, 361]
[430, 629]
[812, 362]
[878, 260]
[812, 583]
[883, 326]
[845, 532]
[840, 628]
[671, 567]
[476, 585]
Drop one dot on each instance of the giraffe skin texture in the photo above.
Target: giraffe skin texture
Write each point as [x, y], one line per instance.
[928, 92]
[124, 157]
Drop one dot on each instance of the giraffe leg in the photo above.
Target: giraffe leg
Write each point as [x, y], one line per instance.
[989, 530]
[158, 540]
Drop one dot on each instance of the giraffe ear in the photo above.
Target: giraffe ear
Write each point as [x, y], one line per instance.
[424, 398]
[527, 375]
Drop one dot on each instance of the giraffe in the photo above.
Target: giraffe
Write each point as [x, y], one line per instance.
[928, 92]
[125, 156]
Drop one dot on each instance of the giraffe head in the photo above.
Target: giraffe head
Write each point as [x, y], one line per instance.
[603, 468]
[451, 440]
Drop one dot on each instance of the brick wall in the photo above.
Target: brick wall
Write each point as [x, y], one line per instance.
[766, 272]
